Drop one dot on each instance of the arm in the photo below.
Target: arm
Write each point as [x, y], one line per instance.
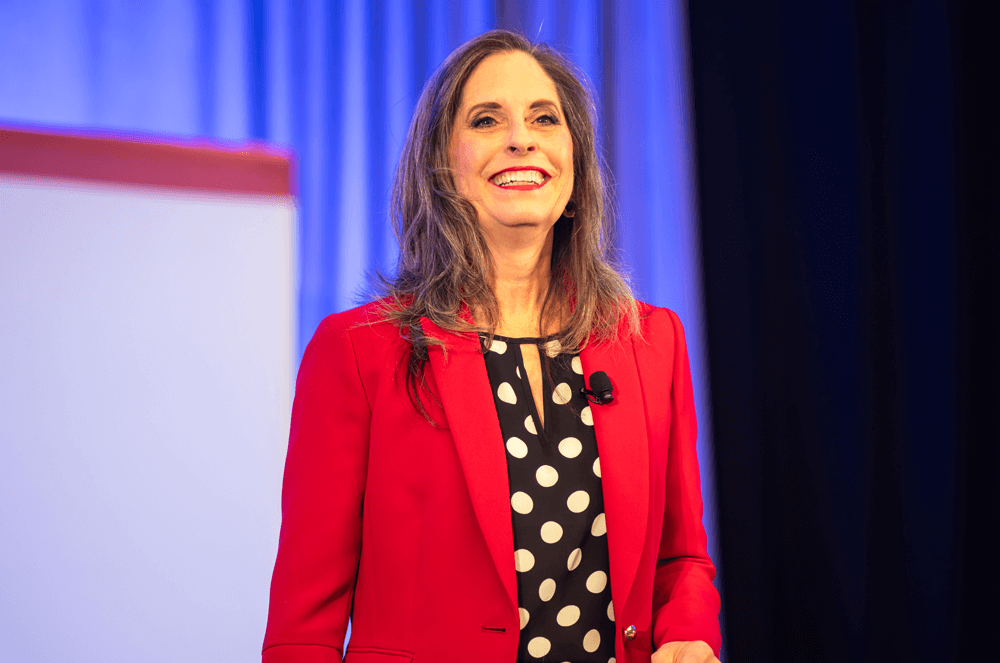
[321, 503]
[685, 603]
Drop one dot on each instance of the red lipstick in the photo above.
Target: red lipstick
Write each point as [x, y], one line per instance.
[541, 170]
[521, 187]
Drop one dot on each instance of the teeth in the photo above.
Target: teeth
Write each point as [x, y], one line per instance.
[514, 177]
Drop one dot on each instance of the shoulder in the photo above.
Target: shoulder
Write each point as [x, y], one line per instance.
[657, 321]
[661, 344]
[656, 324]
[366, 321]
[364, 329]
[360, 340]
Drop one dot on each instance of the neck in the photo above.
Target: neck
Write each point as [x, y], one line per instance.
[522, 273]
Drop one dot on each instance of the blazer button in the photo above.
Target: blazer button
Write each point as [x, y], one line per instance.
[630, 633]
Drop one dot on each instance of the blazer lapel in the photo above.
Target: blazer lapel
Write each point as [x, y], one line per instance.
[464, 385]
[623, 446]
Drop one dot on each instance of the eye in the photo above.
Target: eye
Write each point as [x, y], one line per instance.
[548, 119]
[483, 121]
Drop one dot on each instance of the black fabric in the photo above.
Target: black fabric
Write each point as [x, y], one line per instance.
[847, 163]
[557, 508]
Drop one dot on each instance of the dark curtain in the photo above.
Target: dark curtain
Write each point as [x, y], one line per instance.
[849, 196]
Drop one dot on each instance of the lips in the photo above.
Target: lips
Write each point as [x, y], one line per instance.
[517, 168]
[520, 178]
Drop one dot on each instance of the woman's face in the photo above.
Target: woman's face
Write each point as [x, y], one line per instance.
[510, 149]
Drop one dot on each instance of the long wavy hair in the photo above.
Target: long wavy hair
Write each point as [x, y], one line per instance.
[444, 262]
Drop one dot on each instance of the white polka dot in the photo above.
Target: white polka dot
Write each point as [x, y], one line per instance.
[547, 589]
[539, 647]
[577, 366]
[562, 394]
[517, 369]
[599, 528]
[524, 617]
[523, 560]
[546, 476]
[597, 581]
[574, 559]
[568, 616]
[529, 424]
[586, 417]
[505, 392]
[611, 611]
[551, 532]
[611, 660]
[597, 468]
[517, 448]
[578, 501]
[592, 640]
[521, 502]
[498, 347]
[570, 447]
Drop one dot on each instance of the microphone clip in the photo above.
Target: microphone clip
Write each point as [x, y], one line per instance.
[601, 392]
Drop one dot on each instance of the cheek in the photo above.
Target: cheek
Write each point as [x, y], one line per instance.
[568, 164]
[463, 158]
[566, 150]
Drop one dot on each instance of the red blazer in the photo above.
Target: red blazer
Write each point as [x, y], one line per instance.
[406, 528]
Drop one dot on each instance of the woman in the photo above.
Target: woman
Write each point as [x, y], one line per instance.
[448, 487]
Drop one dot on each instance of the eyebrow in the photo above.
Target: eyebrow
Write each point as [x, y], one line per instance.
[492, 105]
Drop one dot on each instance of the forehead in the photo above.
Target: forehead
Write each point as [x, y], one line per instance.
[508, 78]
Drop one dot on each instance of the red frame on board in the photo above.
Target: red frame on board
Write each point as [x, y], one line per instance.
[251, 169]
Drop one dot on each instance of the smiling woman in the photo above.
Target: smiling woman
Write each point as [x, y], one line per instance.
[449, 486]
[511, 150]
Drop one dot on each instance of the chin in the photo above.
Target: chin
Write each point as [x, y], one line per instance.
[525, 222]
[511, 218]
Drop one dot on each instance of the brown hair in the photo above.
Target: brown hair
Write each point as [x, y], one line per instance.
[444, 261]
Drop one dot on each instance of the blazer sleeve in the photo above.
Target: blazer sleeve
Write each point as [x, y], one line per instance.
[322, 496]
[685, 602]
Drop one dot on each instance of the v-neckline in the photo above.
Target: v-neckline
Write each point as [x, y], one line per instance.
[538, 342]
[539, 417]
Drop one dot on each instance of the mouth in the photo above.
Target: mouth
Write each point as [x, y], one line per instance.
[520, 178]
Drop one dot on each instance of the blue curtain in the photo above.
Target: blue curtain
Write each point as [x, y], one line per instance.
[337, 82]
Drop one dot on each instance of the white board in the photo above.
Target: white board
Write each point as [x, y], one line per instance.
[146, 367]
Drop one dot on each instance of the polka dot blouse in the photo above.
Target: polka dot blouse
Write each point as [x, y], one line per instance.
[557, 508]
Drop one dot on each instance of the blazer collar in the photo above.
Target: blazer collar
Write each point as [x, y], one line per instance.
[623, 447]
[460, 374]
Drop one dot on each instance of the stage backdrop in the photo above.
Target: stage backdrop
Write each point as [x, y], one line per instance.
[851, 221]
[337, 82]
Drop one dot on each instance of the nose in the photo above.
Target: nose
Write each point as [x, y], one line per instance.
[520, 141]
